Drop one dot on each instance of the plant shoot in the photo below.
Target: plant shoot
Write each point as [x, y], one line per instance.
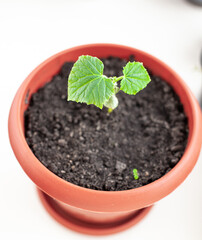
[87, 84]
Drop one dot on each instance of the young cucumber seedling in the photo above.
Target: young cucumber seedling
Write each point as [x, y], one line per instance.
[87, 83]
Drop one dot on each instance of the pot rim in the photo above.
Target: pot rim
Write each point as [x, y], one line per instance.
[61, 189]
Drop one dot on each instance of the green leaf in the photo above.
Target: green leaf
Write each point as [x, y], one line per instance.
[87, 83]
[135, 78]
[135, 174]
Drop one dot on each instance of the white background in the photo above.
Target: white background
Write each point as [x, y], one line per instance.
[30, 32]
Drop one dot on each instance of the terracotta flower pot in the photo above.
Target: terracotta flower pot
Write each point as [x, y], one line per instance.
[90, 211]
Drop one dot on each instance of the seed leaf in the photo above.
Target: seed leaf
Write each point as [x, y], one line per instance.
[135, 78]
[135, 174]
[87, 83]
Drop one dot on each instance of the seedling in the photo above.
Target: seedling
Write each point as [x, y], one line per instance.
[87, 84]
[135, 174]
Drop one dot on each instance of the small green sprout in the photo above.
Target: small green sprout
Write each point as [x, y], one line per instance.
[87, 83]
[135, 174]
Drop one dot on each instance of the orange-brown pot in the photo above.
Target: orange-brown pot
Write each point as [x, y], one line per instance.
[91, 211]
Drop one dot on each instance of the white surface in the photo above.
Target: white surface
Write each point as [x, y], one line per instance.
[30, 32]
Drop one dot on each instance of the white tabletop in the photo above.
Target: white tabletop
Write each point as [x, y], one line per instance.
[30, 32]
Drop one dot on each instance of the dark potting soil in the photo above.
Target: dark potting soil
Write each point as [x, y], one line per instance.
[91, 148]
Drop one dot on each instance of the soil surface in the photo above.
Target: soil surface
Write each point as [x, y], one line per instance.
[91, 148]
